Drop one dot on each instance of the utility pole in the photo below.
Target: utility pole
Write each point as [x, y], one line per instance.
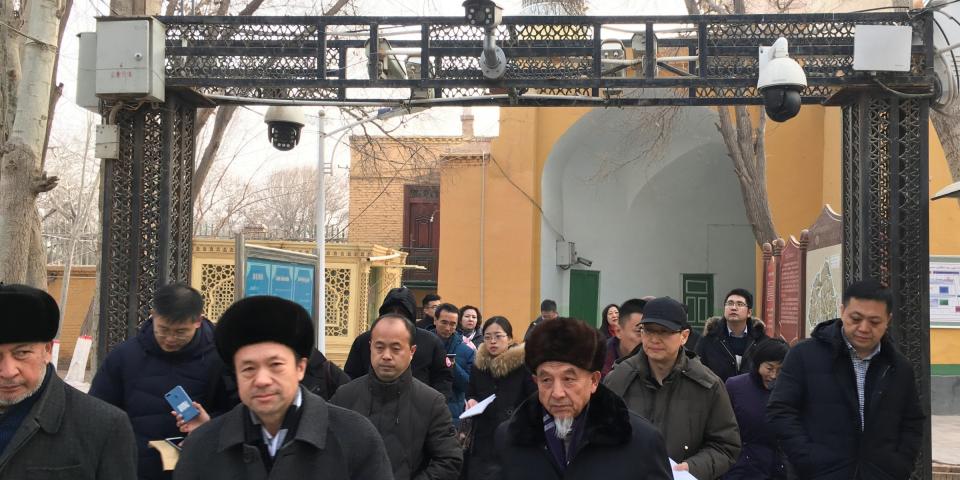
[321, 276]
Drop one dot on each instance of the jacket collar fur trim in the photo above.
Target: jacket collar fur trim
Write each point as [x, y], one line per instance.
[608, 421]
[501, 365]
[718, 326]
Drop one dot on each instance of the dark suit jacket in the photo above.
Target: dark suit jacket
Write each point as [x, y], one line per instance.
[330, 443]
[71, 435]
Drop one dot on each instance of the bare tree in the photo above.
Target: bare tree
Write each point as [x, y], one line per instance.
[22, 180]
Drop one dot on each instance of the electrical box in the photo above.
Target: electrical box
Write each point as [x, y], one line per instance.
[882, 48]
[87, 73]
[107, 141]
[566, 253]
[130, 63]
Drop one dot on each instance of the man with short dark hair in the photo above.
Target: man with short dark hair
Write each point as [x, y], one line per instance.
[574, 428]
[460, 356]
[666, 384]
[280, 430]
[174, 347]
[429, 360]
[846, 404]
[430, 303]
[412, 418]
[627, 341]
[728, 341]
[548, 311]
[49, 429]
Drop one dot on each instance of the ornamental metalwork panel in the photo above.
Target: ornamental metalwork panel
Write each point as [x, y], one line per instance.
[217, 284]
[555, 60]
[338, 301]
[885, 226]
[147, 214]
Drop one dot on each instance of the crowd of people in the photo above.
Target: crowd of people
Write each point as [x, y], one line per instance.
[643, 396]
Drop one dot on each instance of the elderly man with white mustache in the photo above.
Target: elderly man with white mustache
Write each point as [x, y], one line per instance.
[574, 427]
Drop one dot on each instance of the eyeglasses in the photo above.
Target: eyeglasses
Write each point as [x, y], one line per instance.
[735, 304]
[494, 337]
[177, 335]
[657, 333]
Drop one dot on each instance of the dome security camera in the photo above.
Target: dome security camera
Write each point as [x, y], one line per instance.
[781, 81]
[283, 126]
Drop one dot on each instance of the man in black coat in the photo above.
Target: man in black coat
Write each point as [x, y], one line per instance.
[574, 427]
[429, 361]
[49, 429]
[412, 418]
[174, 347]
[728, 341]
[845, 404]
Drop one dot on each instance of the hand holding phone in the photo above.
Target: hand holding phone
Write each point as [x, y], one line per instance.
[181, 403]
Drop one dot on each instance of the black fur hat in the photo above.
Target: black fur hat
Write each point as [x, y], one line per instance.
[264, 318]
[565, 340]
[28, 315]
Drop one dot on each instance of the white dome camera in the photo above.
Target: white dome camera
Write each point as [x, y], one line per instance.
[781, 82]
[283, 126]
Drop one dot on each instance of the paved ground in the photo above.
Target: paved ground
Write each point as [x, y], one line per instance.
[946, 439]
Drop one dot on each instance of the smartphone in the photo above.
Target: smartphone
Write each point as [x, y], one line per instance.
[181, 403]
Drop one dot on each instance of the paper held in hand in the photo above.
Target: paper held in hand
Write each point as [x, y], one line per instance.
[679, 474]
[478, 408]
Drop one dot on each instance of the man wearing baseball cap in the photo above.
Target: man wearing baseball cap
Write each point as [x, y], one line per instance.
[49, 429]
[280, 429]
[574, 427]
[668, 385]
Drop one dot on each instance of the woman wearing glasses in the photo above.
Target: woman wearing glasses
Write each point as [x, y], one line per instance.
[498, 369]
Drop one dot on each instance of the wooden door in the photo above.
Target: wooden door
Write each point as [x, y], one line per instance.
[421, 233]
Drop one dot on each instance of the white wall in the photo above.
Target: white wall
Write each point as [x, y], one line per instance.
[671, 211]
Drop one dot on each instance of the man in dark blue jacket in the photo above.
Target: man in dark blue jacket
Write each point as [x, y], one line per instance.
[175, 346]
[845, 404]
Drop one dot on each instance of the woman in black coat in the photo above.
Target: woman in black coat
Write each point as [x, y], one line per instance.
[498, 369]
[608, 322]
[760, 456]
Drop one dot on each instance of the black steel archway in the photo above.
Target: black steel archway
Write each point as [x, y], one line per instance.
[552, 61]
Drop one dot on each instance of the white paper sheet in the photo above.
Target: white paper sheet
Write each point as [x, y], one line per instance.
[479, 407]
[681, 475]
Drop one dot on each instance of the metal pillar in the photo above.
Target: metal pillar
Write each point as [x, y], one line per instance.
[885, 221]
[147, 214]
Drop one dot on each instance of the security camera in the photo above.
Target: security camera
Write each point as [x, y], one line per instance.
[283, 126]
[585, 262]
[482, 13]
[781, 82]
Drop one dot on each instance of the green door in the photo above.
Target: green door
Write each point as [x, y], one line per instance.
[698, 297]
[584, 295]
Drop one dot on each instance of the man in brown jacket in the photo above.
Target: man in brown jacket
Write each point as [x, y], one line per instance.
[670, 387]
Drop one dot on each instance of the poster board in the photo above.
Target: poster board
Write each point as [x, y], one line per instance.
[944, 292]
[282, 273]
[823, 269]
[791, 304]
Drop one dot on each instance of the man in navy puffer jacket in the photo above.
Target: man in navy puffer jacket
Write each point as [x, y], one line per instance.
[174, 346]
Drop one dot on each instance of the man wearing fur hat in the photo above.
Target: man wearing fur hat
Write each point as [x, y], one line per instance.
[48, 429]
[668, 385]
[412, 418]
[280, 430]
[574, 427]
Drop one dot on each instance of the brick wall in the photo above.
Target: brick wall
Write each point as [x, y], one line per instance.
[382, 218]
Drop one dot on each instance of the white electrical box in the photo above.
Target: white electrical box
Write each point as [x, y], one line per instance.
[566, 253]
[87, 73]
[130, 59]
[882, 48]
[107, 142]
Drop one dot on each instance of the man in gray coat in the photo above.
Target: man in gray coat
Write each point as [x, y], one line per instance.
[668, 385]
[412, 418]
[280, 430]
[48, 429]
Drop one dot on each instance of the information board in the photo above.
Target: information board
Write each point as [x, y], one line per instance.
[945, 292]
[289, 280]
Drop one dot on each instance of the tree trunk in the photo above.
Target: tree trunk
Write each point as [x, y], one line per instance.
[56, 90]
[948, 129]
[10, 43]
[21, 179]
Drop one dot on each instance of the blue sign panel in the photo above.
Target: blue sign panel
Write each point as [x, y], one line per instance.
[289, 280]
